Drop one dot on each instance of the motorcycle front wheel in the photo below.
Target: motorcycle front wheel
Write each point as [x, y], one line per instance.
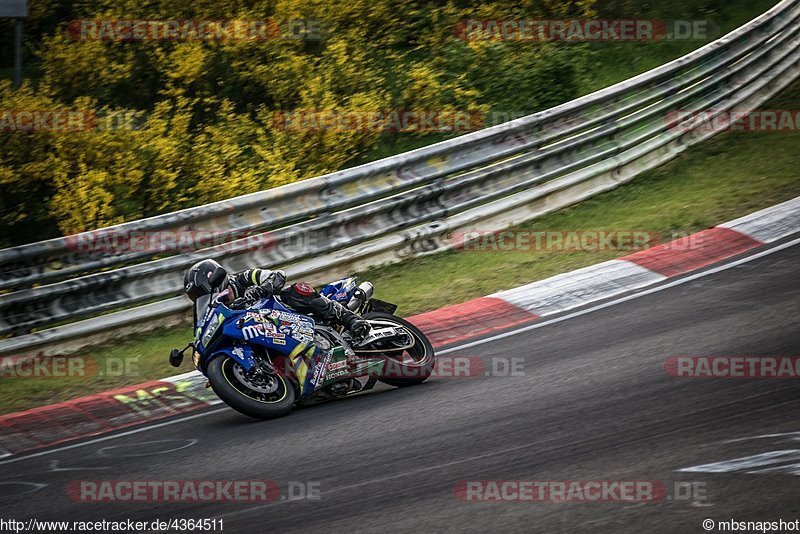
[257, 395]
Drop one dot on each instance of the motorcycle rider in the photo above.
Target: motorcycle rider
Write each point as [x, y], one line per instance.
[254, 284]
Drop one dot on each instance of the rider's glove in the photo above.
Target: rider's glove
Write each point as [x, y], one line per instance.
[359, 328]
[254, 293]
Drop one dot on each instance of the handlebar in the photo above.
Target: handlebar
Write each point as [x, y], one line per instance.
[243, 302]
[239, 303]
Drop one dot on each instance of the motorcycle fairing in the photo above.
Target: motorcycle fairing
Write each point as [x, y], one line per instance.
[270, 324]
[340, 290]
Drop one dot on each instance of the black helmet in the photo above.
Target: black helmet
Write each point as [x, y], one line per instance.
[203, 278]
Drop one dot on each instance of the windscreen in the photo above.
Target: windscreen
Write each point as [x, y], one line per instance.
[200, 307]
[203, 302]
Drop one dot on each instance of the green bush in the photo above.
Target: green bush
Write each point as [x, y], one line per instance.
[181, 123]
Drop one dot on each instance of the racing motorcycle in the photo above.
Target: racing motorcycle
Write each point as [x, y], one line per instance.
[263, 358]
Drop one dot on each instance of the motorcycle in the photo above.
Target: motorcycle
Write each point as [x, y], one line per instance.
[263, 358]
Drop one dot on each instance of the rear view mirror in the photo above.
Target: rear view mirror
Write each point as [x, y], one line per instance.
[217, 277]
[175, 357]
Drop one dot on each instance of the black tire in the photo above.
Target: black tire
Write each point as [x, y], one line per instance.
[231, 390]
[402, 374]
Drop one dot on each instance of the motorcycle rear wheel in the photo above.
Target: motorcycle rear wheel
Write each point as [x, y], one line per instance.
[421, 359]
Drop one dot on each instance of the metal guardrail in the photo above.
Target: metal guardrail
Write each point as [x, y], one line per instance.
[406, 204]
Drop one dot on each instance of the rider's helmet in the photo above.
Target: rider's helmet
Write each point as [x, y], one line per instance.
[204, 278]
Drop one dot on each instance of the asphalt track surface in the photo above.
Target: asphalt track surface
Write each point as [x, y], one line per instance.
[593, 403]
